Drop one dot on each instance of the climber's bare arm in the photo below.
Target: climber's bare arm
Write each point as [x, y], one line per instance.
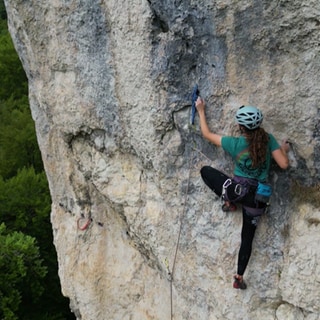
[207, 134]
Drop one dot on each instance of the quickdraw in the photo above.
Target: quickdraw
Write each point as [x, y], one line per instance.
[238, 189]
[84, 226]
[194, 97]
[225, 185]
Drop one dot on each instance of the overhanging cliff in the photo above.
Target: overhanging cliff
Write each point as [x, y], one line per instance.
[138, 234]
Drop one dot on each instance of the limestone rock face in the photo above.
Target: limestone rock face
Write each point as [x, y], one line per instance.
[138, 234]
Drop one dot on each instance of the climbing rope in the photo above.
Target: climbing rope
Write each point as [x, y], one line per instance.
[194, 97]
[182, 213]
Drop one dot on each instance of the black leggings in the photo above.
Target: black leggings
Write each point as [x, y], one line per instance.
[215, 179]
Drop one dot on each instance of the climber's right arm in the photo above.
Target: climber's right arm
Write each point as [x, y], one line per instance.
[207, 134]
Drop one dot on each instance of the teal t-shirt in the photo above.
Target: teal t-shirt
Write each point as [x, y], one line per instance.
[237, 147]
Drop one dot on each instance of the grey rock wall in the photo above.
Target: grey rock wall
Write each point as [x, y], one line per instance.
[138, 234]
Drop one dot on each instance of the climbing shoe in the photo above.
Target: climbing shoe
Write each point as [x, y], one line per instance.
[239, 283]
[228, 207]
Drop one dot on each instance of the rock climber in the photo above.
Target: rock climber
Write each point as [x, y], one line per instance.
[251, 152]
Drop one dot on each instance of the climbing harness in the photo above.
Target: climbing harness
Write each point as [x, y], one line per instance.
[227, 205]
[194, 97]
[241, 188]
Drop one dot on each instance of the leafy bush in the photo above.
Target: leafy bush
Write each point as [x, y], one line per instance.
[20, 271]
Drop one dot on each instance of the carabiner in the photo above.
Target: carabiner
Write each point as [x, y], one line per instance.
[238, 189]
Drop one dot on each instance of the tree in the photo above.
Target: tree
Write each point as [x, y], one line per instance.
[25, 203]
[3, 13]
[18, 142]
[13, 78]
[20, 271]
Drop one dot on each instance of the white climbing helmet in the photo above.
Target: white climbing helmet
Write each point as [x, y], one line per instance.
[250, 117]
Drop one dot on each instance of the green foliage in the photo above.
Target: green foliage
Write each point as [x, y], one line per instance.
[18, 143]
[3, 13]
[13, 78]
[20, 271]
[19, 147]
[25, 201]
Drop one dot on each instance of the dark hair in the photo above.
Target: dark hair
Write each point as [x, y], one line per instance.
[258, 145]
